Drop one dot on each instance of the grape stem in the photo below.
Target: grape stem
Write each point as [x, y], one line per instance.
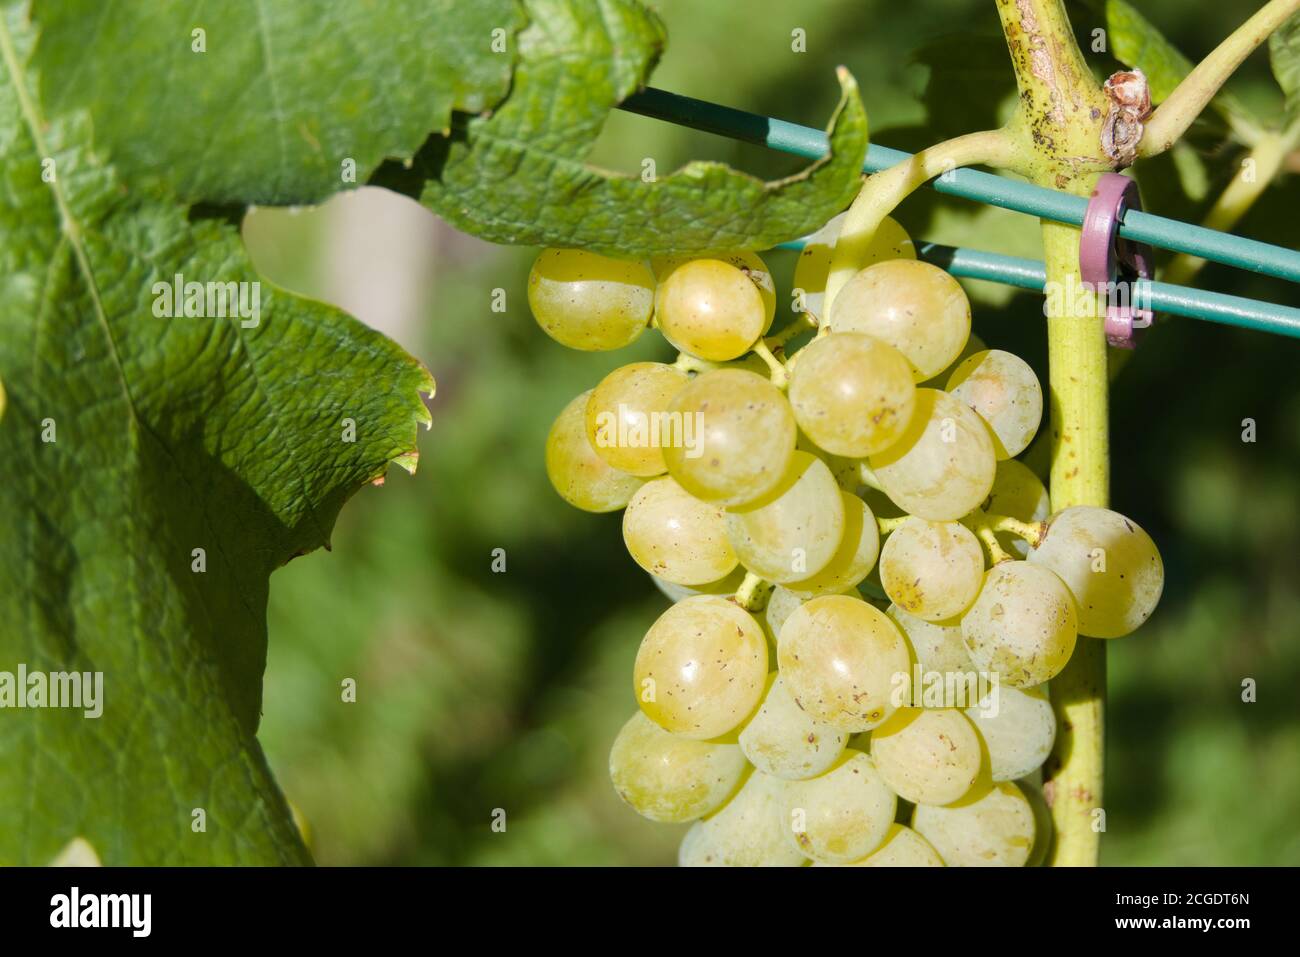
[1171, 120]
[882, 192]
[688, 363]
[781, 339]
[887, 525]
[753, 593]
[1031, 532]
[981, 523]
[1059, 120]
[867, 477]
[780, 377]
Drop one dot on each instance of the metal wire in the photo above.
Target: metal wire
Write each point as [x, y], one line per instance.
[971, 184]
[1025, 198]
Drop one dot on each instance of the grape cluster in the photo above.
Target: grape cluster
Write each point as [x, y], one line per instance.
[787, 715]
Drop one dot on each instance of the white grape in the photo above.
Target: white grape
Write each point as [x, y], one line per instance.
[626, 416]
[1019, 493]
[993, 830]
[932, 570]
[675, 536]
[582, 477]
[590, 302]
[1003, 389]
[852, 394]
[928, 756]
[943, 466]
[1018, 727]
[1032, 788]
[1111, 566]
[917, 308]
[890, 241]
[1022, 626]
[781, 604]
[725, 586]
[902, 847]
[795, 530]
[666, 777]
[842, 815]
[841, 660]
[781, 739]
[750, 263]
[973, 345]
[701, 668]
[853, 558]
[710, 309]
[743, 437]
[938, 645]
[944, 677]
[748, 831]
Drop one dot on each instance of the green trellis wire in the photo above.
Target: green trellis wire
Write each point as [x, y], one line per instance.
[1139, 226]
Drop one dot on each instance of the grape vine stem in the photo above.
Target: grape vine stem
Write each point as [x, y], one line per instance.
[1031, 532]
[1058, 121]
[1171, 120]
[780, 377]
[882, 192]
[753, 593]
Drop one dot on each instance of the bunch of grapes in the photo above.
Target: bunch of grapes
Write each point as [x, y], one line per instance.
[813, 694]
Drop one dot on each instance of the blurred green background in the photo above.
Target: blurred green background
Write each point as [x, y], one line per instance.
[480, 691]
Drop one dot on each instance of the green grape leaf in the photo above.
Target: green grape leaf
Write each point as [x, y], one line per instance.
[1284, 55]
[519, 176]
[246, 101]
[157, 463]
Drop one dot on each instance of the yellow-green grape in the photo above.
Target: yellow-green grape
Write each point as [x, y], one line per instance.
[675, 536]
[948, 678]
[1032, 788]
[743, 436]
[973, 345]
[751, 264]
[748, 831]
[725, 586]
[701, 668]
[590, 302]
[781, 604]
[841, 659]
[917, 308]
[1110, 565]
[794, 531]
[932, 569]
[842, 815]
[853, 558]
[582, 477]
[942, 468]
[995, 830]
[666, 777]
[1005, 392]
[710, 309]
[890, 241]
[902, 847]
[1018, 727]
[938, 645]
[928, 756]
[1022, 626]
[782, 740]
[1019, 493]
[853, 395]
[627, 420]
